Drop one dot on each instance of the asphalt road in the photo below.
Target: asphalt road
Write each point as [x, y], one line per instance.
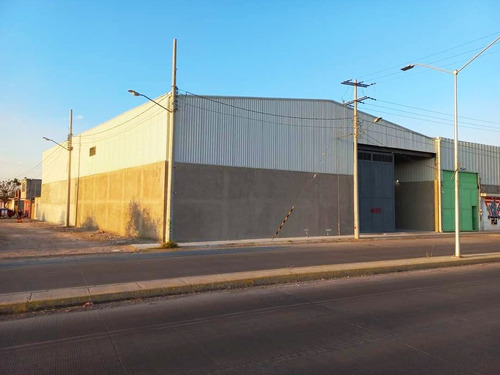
[444, 321]
[60, 272]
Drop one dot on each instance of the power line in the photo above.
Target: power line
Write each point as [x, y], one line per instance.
[38, 165]
[434, 118]
[441, 113]
[264, 121]
[130, 119]
[425, 57]
[259, 112]
[90, 139]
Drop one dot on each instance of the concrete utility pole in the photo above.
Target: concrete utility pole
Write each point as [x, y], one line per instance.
[168, 200]
[355, 154]
[70, 148]
[169, 214]
[355, 149]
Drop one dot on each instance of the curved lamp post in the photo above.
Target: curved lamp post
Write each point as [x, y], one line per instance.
[169, 171]
[135, 93]
[69, 149]
[457, 166]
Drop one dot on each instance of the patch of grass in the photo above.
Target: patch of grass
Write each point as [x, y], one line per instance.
[169, 245]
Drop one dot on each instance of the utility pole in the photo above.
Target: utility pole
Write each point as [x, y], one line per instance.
[70, 148]
[169, 214]
[355, 149]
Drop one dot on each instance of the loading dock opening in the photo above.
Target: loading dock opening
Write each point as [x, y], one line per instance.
[396, 190]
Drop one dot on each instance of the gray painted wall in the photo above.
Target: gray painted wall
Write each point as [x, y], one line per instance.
[228, 203]
[415, 205]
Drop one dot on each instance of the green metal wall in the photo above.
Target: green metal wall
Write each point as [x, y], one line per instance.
[469, 201]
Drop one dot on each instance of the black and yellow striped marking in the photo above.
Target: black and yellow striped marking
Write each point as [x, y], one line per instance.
[284, 221]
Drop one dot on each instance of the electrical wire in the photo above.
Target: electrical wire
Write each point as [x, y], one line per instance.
[393, 126]
[90, 139]
[130, 119]
[426, 57]
[401, 155]
[441, 113]
[440, 119]
[264, 121]
[471, 149]
[38, 165]
[447, 122]
[259, 112]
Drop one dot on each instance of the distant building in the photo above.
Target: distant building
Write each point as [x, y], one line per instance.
[24, 196]
[242, 163]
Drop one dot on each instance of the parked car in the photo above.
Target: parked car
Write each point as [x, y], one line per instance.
[5, 213]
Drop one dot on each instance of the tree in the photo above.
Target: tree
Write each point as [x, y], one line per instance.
[7, 188]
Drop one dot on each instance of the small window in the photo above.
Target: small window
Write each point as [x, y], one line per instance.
[383, 158]
[92, 151]
[364, 156]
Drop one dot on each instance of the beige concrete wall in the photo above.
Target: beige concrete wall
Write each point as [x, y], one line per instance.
[118, 187]
[52, 204]
[127, 201]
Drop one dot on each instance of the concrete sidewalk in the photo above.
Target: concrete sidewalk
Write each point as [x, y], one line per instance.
[79, 296]
[40, 262]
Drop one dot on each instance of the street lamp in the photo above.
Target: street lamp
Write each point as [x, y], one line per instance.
[51, 140]
[169, 171]
[457, 166]
[135, 93]
[69, 149]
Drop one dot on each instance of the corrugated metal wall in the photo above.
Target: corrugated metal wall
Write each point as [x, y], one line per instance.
[285, 134]
[474, 157]
[134, 138]
[387, 134]
[417, 170]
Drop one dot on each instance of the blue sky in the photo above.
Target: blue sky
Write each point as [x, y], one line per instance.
[84, 55]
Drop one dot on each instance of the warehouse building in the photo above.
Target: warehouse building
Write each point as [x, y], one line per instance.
[242, 164]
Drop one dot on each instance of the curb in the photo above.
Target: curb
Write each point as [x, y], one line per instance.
[14, 303]
[228, 244]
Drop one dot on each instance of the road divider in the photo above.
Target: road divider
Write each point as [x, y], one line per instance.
[21, 302]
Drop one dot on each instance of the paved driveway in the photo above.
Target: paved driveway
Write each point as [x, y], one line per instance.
[34, 239]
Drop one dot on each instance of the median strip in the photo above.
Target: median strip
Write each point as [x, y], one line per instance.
[45, 299]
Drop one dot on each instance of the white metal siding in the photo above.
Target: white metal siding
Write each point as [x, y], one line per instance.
[137, 137]
[474, 157]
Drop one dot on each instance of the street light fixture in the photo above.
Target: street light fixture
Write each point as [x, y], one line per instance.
[135, 93]
[51, 140]
[457, 166]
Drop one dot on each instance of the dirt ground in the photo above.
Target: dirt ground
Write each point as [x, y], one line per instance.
[35, 239]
